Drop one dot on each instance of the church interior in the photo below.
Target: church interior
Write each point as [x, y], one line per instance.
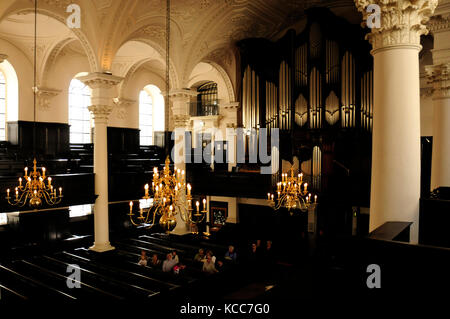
[223, 150]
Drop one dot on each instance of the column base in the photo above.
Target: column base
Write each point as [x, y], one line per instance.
[101, 248]
[181, 229]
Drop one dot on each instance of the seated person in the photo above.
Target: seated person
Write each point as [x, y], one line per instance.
[143, 259]
[200, 256]
[175, 256]
[210, 253]
[178, 268]
[155, 260]
[231, 254]
[208, 265]
[169, 263]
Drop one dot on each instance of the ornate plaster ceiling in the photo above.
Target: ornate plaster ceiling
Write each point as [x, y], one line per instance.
[202, 30]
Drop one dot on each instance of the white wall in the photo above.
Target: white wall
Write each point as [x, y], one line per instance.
[24, 71]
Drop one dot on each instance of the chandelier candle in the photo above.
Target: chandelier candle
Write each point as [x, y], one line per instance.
[292, 193]
[35, 191]
[169, 199]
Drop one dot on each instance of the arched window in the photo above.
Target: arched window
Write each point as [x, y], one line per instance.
[2, 107]
[79, 116]
[207, 99]
[146, 118]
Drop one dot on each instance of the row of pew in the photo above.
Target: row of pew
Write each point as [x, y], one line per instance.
[110, 276]
[79, 160]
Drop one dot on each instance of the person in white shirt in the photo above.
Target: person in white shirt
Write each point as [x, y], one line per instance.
[143, 259]
[210, 253]
[208, 265]
[175, 256]
[169, 263]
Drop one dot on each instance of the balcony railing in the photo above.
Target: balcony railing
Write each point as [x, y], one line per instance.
[204, 109]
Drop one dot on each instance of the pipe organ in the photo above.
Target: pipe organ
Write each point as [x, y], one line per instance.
[250, 99]
[316, 87]
[348, 90]
[285, 100]
[271, 105]
[308, 80]
[367, 100]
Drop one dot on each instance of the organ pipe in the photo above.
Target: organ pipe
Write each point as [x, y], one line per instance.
[348, 90]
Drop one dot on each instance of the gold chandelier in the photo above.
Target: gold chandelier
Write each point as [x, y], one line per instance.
[292, 193]
[171, 196]
[35, 190]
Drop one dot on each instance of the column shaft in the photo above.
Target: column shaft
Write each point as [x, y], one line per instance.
[439, 77]
[101, 216]
[395, 37]
[102, 86]
[395, 188]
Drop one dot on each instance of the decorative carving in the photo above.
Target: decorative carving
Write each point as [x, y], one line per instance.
[122, 105]
[43, 97]
[426, 92]
[402, 21]
[100, 80]
[439, 23]
[100, 112]
[153, 31]
[439, 77]
[205, 4]
[58, 3]
[181, 121]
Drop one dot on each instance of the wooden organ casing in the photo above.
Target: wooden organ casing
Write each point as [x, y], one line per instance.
[316, 87]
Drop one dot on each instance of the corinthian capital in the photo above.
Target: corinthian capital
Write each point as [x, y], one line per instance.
[402, 22]
[181, 121]
[98, 80]
[439, 77]
[100, 112]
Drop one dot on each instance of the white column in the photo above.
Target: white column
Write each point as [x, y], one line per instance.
[102, 86]
[230, 111]
[439, 76]
[395, 188]
[180, 99]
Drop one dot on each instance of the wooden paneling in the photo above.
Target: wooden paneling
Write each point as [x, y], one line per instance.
[52, 139]
[123, 140]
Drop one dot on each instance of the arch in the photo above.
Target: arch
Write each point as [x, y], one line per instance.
[51, 58]
[80, 35]
[131, 69]
[11, 90]
[210, 71]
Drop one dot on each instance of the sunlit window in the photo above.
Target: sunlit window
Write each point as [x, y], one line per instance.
[145, 118]
[79, 116]
[80, 210]
[2, 107]
[3, 219]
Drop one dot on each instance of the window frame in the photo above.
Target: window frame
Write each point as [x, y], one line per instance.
[6, 104]
[149, 103]
[83, 112]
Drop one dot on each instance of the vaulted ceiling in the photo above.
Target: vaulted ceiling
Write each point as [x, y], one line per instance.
[114, 31]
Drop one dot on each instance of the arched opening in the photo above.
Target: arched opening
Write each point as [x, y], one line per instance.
[9, 97]
[79, 116]
[151, 113]
[2, 106]
[207, 99]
